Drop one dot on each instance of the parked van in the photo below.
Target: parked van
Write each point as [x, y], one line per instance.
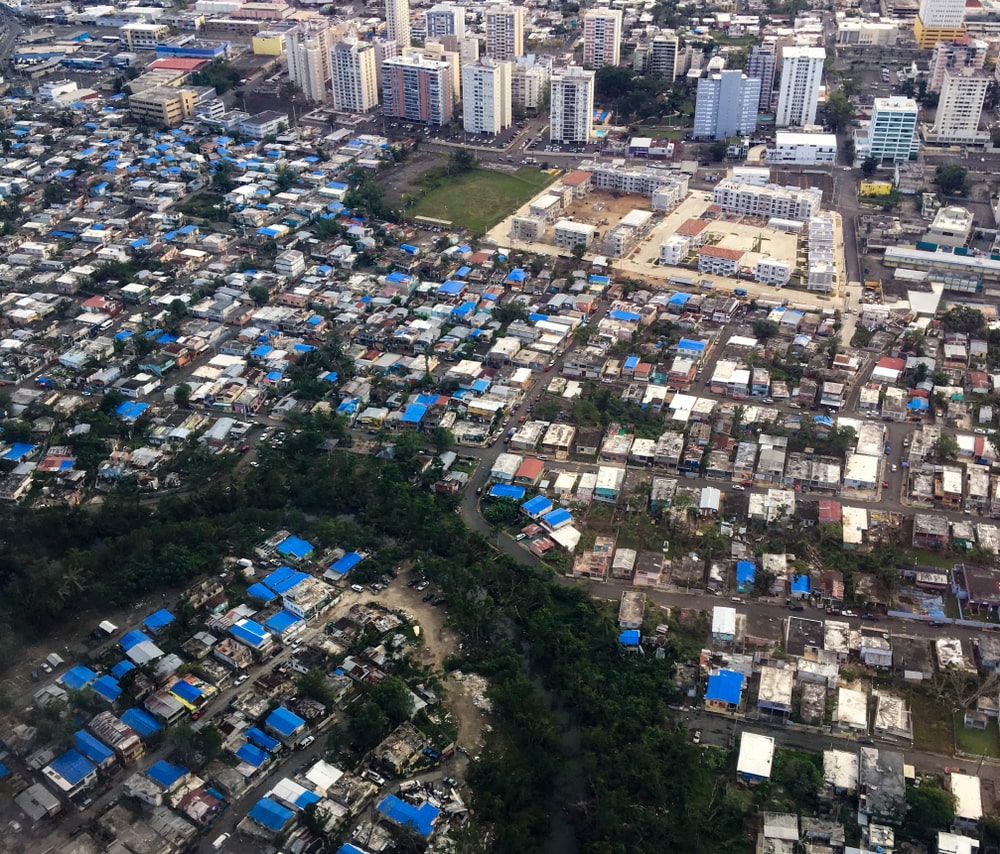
[357, 588]
[222, 839]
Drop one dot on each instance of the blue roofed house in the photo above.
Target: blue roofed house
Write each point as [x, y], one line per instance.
[271, 815]
[294, 547]
[96, 751]
[285, 625]
[285, 724]
[801, 587]
[724, 691]
[158, 621]
[142, 722]
[339, 568]
[537, 506]
[77, 677]
[70, 773]
[167, 775]
[746, 574]
[420, 818]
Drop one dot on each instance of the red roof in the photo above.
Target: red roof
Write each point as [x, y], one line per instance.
[691, 227]
[576, 178]
[178, 63]
[530, 468]
[888, 363]
[829, 511]
[722, 252]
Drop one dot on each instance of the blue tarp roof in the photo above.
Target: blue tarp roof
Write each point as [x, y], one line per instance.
[917, 403]
[284, 722]
[630, 363]
[800, 584]
[746, 572]
[414, 414]
[132, 638]
[121, 668]
[463, 271]
[451, 287]
[421, 818]
[281, 621]
[557, 517]
[262, 739]
[825, 420]
[262, 593]
[283, 579]
[505, 490]
[595, 279]
[537, 505]
[252, 754]
[72, 766]
[107, 687]
[630, 637]
[166, 774]
[517, 275]
[186, 691]
[271, 814]
[141, 721]
[618, 314]
[18, 451]
[294, 546]
[158, 620]
[77, 677]
[96, 751]
[251, 633]
[690, 344]
[305, 798]
[396, 277]
[130, 410]
[346, 563]
[725, 686]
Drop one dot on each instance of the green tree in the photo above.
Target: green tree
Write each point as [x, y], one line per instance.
[717, 151]
[947, 447]
[965, 319]
[314, 686]
[928, 809]
[442, 439]
[182, 394]
[869, 165]
[393, 698]
[259, 294]
[839, 111]
[764, 329]
[952, 179]
[578, 250]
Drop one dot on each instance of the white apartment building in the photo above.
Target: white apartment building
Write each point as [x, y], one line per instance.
[891, 132]
[726, 105]
[939, 20]
[602, 36]
[354, 82]
[571, 106]
[486, 97]
[803, 149]
[615, 175]
[769, 200]
[445, 19]
[568, 234]
[801, 75]
[965, 52]
[960, 108]
[772, 271]
[674, 249]
[504, 32]
[529, 81]
[664, 56]
[397, 22]
[853, 31]
[821, 270]
[308, 48]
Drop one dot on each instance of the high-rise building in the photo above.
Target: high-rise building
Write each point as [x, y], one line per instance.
[891, 132]
[397, 22]
[960, 108]
[384, 49]
[663, 56]
[801, 76]
[444, 19]
[602, 37]
[761, 64]
[354, 82]
[504, 32]
[939, 20]
[726, 105]
[964, 52]
[571, 107]
[486, 97]
[417, 89]
[433, 50]
[308, 47]
[529, 82]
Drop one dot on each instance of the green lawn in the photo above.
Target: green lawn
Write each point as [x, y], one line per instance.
[478, 200]
[932, 725]
[976, 742]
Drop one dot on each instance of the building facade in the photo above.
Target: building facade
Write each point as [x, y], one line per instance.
[960, 108]
[602, 36]
[486, 97]
[444, 19]
[939, 20]
[571, 110]
[954, 55]
[891, 132]
[726, 105]
[309, 63]
[417, 89]
[504, 32]
[664, 53]
[801, 75]
[760, 65]
[354, 83]
[397, 22]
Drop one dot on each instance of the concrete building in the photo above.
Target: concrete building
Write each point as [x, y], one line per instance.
[952, 226]
[891, 132]
[486, 97]
[939, 20]
[571, 108]
[664, 53]
[960, 107]
[397, 22]
[964, 52]
[163, 105]
[801, 75]
[504, 32]
[417, 89]
[529, 82]
[761, 66]
[803, 149]
[602, 36]
[309, 63]
[354, 82]
[726, 105]
[444, 19]
[769, 200]
[853, 31]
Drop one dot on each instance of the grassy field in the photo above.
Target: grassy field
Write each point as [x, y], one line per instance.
[478, 200]
[932, 725]
[976, 742]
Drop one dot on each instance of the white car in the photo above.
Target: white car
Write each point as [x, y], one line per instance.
[739, 487]
[240, 680]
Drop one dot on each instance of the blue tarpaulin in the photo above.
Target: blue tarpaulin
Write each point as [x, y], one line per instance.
[158, 620]
[630, 637]
[185, 691]
[346, 563]
[248, 632]
[142, 722]
[72, 766]
[133, 638]
[107, 687]
[252, 755]
[121, 668]
[294, 546]
[78, 677]
[271, 814]
[283, 579]
[725, 686]
[746, 572]
[96, 751]
[166, 774]
[537, 506]
[261, 593]
[281, 622]
[504, 490]
[559, 516]
[421, 818]
[284, 722]
[262, 739]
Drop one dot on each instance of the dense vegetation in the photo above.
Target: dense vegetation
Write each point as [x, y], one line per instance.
[583, 746]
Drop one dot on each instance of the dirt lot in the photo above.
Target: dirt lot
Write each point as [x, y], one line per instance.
[403, 177]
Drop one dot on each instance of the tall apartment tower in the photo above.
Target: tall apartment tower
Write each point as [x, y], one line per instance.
[486, 97]
[939, 20]
[664, 51]
[417, 89]
[504, 32]
[571, 106]
[397, 22]
[801, 76]
[602, 37]
[354, 82]
[309, 67]
[529, 81]
[444, 19]
[891, 132]
[964, 52]
[960, 107]
[726, 105]
[761, 65]
[384, 49]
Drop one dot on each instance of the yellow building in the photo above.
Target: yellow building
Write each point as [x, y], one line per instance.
[927, 35]
[163, 105]
[876, 188]
[269, 43]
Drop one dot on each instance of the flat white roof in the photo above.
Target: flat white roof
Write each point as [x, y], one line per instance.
[723, 620]
[756, 755]
[852, 708]
[789, 137]
[968, 796]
